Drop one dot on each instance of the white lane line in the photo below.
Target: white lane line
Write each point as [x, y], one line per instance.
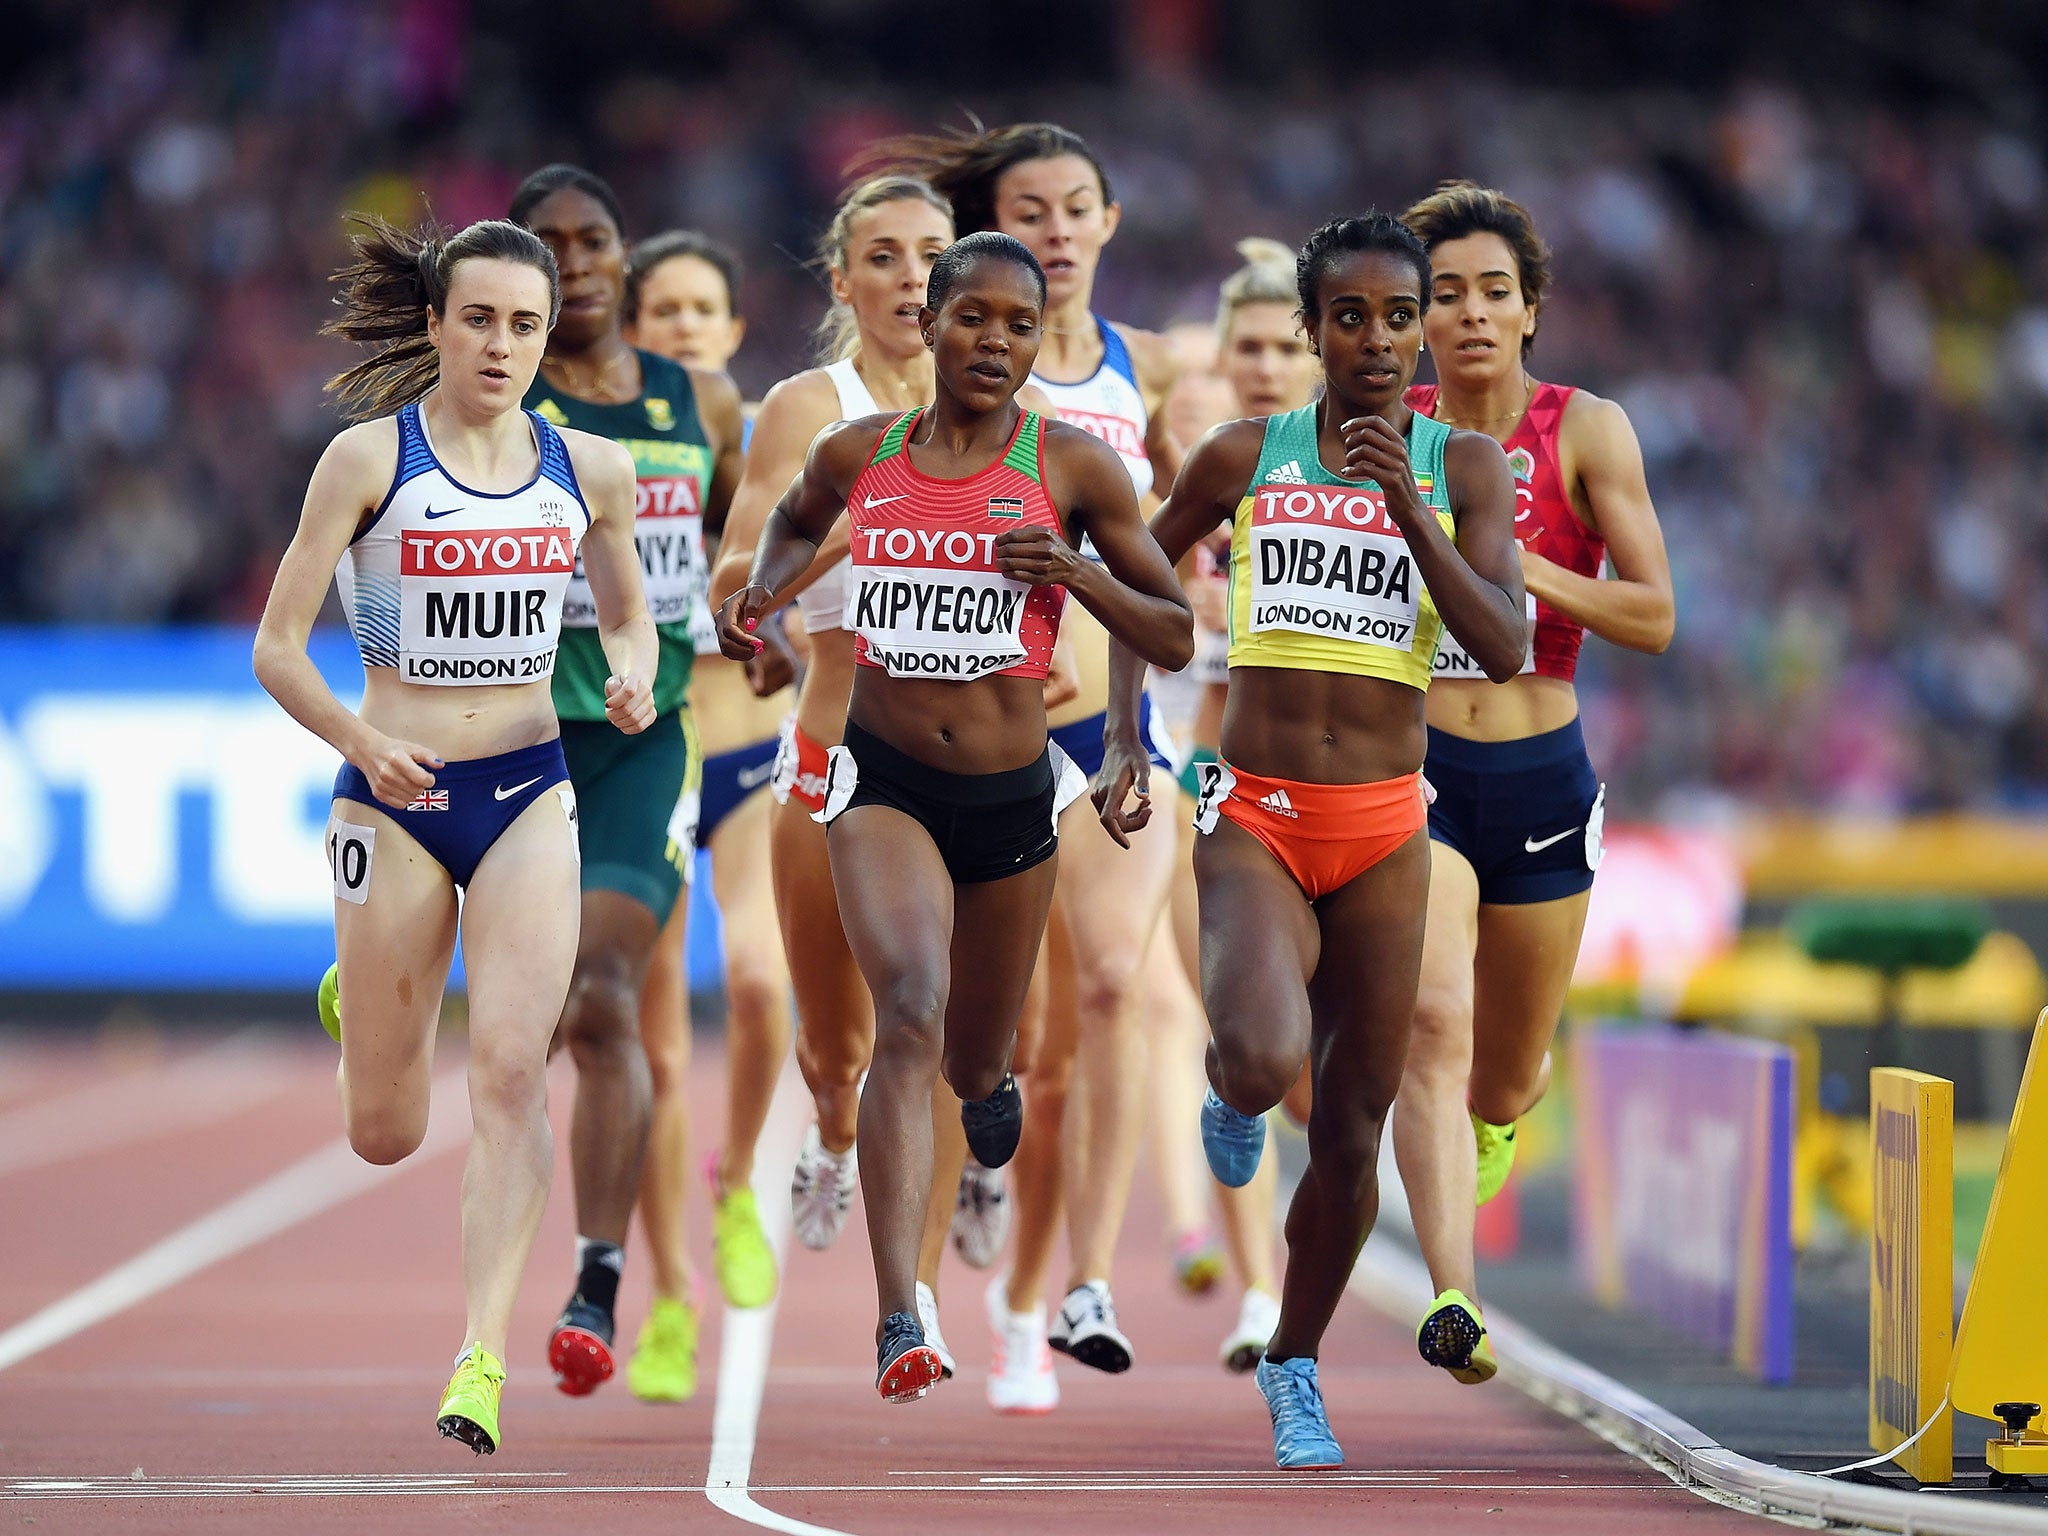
[314, 1184]
[374, 1486]
[749, 1333]
[194, 1090]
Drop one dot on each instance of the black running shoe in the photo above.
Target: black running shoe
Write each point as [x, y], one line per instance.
[580, 1349]
[905, 1366]
[994, 1124]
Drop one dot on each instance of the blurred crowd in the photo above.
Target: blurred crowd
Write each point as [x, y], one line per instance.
[1828, 320]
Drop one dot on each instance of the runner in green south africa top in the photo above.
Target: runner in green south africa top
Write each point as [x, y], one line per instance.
[676, 466]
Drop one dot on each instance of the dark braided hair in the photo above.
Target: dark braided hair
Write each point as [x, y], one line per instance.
[1370, 231]
[984, 245]
[966, 165]
[396, 277]
[553, 178]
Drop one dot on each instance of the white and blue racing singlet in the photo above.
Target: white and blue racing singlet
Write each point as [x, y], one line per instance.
[823, 602]
[455, 586]
[1108, 404]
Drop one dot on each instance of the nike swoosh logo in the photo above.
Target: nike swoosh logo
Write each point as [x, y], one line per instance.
[882, 501]
[1530, 845]
[430, 514]
[502, 793]
[755, 777]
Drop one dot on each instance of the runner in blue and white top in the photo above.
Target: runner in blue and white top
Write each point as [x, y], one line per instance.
[1045, 186]
[453, 520]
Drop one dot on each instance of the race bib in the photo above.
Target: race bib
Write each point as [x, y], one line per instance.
[566, 794]
[668, 532]
[481, 605]
[1454, 664]
[929, 602]
[1213, 781]
[349, 851]
[1327, 560]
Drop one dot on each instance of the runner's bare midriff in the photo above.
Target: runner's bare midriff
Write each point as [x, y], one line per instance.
[460, 723]
[1321, 727]
[1524, 706]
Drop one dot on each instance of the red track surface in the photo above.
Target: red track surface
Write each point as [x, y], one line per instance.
[292, 1386]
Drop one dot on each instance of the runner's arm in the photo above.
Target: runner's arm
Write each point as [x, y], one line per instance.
[1211, 482]
[1158, 367]
[1477, 581]
[795, 529]
[1133, 592]
[718, 402]
[348, 483]
[1636, 609]
[792, 416]
[611, 562]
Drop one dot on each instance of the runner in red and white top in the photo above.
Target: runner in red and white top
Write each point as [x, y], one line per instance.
[1047, 187]
[942, 797]
[1515, 828]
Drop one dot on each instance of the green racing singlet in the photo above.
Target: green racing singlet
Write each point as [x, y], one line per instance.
[672, 465]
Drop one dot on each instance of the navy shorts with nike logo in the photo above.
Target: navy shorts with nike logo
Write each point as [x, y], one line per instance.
[471, 803]
[729, 778]
[1525, 814]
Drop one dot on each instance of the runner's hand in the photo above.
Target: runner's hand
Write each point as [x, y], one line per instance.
[1375, 451]
[774, 668]
[738, 617]
[398, 770]
[1126, 770]
[1036, 556]
[628, 703]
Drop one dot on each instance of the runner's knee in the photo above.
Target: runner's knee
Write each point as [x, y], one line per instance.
[506, 1084]
[1104, 984]
[754, 982]
[668, 1063]
[384, 1134]
[1252, 1074]
[910, 1016]
[1441, 1045]
[602, 1016]
[972, 1073]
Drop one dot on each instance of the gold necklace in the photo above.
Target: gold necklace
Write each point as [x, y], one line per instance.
[1477, 423]
[597, 388]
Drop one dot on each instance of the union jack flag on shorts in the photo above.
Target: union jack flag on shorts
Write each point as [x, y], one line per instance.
[429, 800]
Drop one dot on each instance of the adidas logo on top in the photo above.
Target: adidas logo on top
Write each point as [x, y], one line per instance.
[1288, 474]
[1278, 803]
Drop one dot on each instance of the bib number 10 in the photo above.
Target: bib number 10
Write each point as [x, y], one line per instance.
[349, 851]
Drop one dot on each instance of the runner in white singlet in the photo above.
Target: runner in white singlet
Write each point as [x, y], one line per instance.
[454, 519]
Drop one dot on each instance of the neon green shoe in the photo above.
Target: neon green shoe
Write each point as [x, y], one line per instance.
[469, 1408]
[1496, 1156]
[329, 1000]
[739, 1248]
[664, 1364]
[1453, 1338]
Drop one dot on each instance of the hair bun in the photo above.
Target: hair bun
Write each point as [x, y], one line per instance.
[1259, 251]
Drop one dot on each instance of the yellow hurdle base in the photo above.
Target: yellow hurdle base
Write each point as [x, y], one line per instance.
[2019, 1458]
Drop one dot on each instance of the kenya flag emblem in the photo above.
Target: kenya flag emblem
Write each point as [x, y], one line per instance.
[1006, 506]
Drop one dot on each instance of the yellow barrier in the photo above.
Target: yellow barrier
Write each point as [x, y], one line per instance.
[1792, 856]
[2001, 1353]
[1766, 977]
[1912, 1266]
